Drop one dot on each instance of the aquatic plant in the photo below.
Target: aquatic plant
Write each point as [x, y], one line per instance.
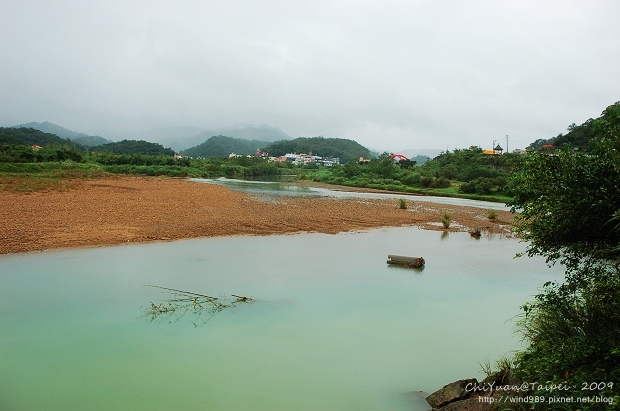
[445, 219]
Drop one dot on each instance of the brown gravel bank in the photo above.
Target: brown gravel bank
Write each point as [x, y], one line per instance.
[137, 209]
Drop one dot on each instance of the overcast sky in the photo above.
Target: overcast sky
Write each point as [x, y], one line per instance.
[391, 75]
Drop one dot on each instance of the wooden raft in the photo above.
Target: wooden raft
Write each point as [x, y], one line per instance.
[412, 262]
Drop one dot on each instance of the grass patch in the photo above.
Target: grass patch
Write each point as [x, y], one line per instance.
[31, 177]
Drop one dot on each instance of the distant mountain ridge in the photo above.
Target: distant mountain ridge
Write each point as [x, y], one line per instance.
[178, 138]
[52, 128]
[186, 138]
[80, 138]
[223, 146]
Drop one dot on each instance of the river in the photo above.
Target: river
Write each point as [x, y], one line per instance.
[331, 327]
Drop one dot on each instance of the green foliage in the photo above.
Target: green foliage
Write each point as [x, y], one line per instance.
[569, 203]
[445, 219]
[107, 158]
[91, 141]
[573, 330]
[566, 201]
[30, 136]
[129, 147]
[29, 177]
[484, 185]
[346, 150]
[469, 164]
[580, 137]
[402, 204]
[26, 154]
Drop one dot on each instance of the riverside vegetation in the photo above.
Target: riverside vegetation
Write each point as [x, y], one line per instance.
[569, 204]
[461, 173]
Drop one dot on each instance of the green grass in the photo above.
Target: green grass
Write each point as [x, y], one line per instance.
[30, 177]
[388, 184]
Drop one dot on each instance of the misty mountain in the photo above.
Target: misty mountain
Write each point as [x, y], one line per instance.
[222, 146]
[80, 138]
[182, 138]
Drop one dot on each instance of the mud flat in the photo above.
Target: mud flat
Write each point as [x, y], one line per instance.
[140, 209]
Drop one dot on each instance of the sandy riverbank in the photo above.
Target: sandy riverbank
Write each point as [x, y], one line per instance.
[138, 209]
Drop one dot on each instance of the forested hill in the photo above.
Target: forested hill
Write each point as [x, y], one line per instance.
[222, 146]
[135, 147]
[30, 136]
[345, 149]
[579, 136]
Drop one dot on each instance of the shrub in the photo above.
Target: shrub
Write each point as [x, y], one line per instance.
[491, 214]
[411, 179]
[468, 188]
[426, 181]
[483, 187]
[403, 204]
[445, 219]
[440, 182]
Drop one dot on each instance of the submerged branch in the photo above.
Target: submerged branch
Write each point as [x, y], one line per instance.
[202, 306]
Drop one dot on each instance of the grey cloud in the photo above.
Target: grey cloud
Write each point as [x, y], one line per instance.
[391, 75]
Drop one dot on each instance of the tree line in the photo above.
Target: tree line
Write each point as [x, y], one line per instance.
[569, 204]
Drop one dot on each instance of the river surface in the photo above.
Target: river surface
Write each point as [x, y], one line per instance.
[332, 327]
[267, 190]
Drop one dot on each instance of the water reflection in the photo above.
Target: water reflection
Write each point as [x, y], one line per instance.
[200, 306]
[266, 190]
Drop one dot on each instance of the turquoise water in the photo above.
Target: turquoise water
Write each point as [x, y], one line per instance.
[332, 328]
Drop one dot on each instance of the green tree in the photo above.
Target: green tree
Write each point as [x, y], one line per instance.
[569, 203]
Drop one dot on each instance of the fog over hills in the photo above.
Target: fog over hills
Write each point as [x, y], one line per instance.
[52, 128]
[80, 138]
[185, 137]
[181, 138]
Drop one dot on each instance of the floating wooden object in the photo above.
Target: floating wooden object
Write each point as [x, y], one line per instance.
[412, 262]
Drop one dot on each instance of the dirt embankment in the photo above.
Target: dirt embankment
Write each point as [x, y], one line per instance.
[136, 209]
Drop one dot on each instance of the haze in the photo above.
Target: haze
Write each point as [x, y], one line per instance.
[391, 75]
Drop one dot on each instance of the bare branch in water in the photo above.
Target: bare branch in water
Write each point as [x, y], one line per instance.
[202, 306]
